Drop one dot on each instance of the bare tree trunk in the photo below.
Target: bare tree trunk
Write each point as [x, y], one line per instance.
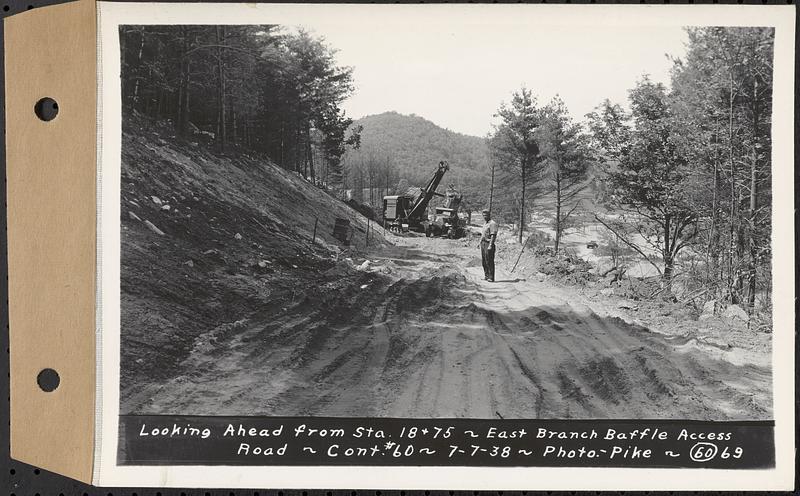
[159, 106]
[522, 202]
[233, 124]
[299, 163]
[182, 121]
[667, 251]
[491, 189]
[138, 64]
[221, 126]
[741, 240]
[733, 195]
[310, 155]
[751, 269]
[558, 210]
[371, 191]
[713, 236]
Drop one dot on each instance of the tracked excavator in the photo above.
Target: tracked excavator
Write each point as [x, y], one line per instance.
[409, 211]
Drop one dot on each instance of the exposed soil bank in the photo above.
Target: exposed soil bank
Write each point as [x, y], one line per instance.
[423, 335]
[209, 239]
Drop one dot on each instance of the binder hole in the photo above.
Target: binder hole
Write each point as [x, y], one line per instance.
[6, 8]
[48, 380]
[46, 109]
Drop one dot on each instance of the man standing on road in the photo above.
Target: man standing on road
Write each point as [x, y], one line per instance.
[488, 237]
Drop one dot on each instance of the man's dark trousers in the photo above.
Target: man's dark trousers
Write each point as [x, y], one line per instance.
[487, 257]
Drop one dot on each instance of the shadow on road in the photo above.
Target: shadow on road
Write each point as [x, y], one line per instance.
[431, 341]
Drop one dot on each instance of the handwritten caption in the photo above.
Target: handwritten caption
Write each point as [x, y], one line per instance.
[312, 441]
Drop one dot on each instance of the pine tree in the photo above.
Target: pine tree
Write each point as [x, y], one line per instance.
[515, 147]
[567, 159]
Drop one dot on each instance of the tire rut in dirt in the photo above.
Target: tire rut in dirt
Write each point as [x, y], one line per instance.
[436, 343]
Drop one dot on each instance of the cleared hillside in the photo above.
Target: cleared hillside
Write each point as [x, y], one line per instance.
[207, 240]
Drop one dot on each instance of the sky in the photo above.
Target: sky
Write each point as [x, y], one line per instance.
[456, 70]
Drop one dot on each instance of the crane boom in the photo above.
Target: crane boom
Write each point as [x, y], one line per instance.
[427, 193]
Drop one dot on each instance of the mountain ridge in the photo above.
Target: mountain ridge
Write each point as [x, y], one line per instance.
[414, 145]
[415, 116]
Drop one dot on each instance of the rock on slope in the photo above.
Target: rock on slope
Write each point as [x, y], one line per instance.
[208, 240]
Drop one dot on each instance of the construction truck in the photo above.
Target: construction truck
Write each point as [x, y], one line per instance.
[409, 211]
[446, 220]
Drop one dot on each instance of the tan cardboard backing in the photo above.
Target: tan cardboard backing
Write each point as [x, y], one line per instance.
[51, 52]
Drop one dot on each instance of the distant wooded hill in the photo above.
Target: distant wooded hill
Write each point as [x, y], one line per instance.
[417, 144]
[397, 147]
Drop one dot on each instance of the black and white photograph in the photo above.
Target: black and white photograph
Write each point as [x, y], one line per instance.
[459, 220]
[282, 257]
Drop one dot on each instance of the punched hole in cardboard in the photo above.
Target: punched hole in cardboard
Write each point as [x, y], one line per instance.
[46, 109]
[48, 380]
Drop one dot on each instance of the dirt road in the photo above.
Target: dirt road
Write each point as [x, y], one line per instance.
[425, 336]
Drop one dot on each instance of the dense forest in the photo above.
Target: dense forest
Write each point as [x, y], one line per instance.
[260, 87]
